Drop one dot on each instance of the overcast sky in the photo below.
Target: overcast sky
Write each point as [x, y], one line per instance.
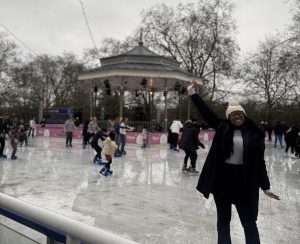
[55, 26]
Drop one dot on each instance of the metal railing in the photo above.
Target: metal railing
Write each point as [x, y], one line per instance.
[151, 126]
[57, 228]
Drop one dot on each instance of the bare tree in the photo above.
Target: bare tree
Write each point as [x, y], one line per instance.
[200, 35]
[269, 73]
[8, 51]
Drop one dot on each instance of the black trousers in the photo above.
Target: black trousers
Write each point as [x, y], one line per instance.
[85, 138]
[2, 142]
[122, 142]
[174, 140]
[69, 138]
[230, 191]
[97, 148]
[192, 154]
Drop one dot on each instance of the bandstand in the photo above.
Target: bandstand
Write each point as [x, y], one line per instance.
[136, 70]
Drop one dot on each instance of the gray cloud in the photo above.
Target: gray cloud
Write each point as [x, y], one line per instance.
[56, 26]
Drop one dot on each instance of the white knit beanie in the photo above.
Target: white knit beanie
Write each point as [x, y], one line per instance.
[233, 106]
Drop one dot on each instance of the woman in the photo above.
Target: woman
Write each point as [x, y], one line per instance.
[234, 168]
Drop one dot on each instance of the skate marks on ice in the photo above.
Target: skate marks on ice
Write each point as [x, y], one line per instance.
[148, 198]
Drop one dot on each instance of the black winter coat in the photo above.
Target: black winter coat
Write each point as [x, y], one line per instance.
[255, 173]
[189, 139]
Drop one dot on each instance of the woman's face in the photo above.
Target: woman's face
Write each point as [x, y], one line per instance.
[237, 118]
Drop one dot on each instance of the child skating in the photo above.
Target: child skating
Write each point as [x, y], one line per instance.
[109, 147]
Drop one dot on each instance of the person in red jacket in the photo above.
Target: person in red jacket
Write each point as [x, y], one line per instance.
[234, 169]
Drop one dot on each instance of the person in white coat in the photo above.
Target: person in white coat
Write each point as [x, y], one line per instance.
[31, 127]
[109, 147]
[175, 128]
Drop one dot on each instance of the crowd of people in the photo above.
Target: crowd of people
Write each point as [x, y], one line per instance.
[282, 131]
[17, 131]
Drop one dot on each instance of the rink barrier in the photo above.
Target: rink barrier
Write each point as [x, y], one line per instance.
[57, 228]
[154, 138]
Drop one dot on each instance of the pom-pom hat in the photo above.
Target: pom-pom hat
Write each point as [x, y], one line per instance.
[234, 106]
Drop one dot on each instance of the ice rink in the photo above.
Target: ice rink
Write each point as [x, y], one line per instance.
[147, 199]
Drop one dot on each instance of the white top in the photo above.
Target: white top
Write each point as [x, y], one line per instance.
[124, 130]
[176, 126]
[32, 124]
[236, 157]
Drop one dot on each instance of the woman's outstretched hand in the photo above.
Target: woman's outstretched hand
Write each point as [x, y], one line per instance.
[272, 195]
[191, 88]
[193, 83]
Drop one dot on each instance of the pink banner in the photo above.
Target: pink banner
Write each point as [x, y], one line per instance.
[57, 132]
[132, 137]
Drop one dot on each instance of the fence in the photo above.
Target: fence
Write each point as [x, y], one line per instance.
[151, 126]
[57, 228]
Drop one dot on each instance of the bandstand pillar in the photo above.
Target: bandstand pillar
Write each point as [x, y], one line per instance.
[166, 108]
[121, 100]
[189, 107]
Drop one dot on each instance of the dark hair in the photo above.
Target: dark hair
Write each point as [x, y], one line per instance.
[112, 135]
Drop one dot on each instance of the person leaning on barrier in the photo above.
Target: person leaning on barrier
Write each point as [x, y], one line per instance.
[234, 169]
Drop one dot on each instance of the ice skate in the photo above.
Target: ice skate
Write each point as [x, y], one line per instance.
[184, 169]
[117, 154]
[95, 159]
[101, 161]
[193, 171]
[104, 171]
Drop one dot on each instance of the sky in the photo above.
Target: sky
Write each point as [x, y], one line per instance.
[58, 26]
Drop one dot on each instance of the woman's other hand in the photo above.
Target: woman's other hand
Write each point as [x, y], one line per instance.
[272, 195]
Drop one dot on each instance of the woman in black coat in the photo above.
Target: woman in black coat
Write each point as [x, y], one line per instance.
[234, 169]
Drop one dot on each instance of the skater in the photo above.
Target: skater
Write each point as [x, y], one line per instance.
[109, 147]
[101, 134]
[190, 143]
[145, 138]
[31, 127]
[24, 128]
[4, 130]
[92, 128]
[43, 123]
[269, 129]
[123, 130]
[234, 168]
[14, 137]
[85, 134]
[278, 131]
[116, 127]
[169, 139]
[175, 128]
[290, 139]
[297, 146]
[77, 122]
[69, 128]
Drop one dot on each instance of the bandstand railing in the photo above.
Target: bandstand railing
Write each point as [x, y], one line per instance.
[151, 126]
[57, 228]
